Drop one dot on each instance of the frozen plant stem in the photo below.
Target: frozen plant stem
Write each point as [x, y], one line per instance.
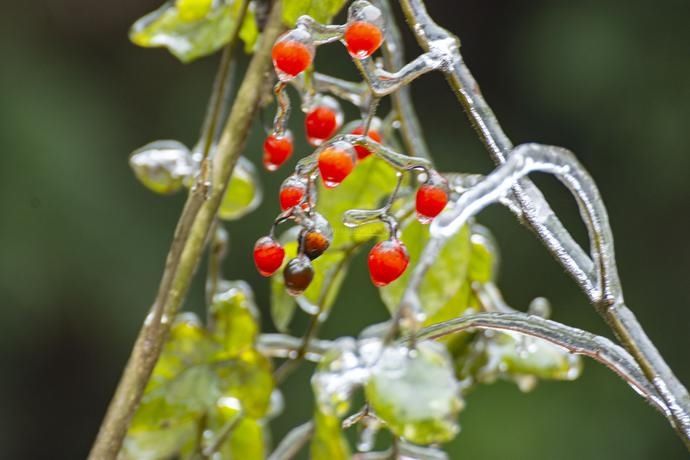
[536, 214]
[186, 249]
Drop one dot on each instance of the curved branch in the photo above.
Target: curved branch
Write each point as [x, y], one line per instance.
[534, 211]
[561, 163]
[572, 339]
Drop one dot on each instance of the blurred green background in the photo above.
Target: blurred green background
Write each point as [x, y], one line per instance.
[82, 243]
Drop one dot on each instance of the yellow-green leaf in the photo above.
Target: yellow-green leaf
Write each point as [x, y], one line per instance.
[243, 194]
[234, 318]
[328, 442]
[321, 10]
[192, 28]
[249, 379]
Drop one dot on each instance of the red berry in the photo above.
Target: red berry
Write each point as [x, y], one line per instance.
[277, 149]
[336, 162]
[320, 124]
[363, 152]
[298, 274]
[431, 199]
[362, 39]
[387, 261]
[290, 197]
[292, 192]
[292, 54]
[268, 255]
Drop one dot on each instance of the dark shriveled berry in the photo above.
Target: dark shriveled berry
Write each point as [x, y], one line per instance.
[314, 244]
[298, 274]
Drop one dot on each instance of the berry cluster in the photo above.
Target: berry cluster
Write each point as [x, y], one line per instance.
[336, 155]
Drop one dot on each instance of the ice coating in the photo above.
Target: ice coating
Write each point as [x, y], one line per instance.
[162, 165]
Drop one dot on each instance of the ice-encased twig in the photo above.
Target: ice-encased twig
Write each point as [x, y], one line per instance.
[394, 58]
[293, 442]
[561, 163]
[383, 83]
[604, 280]
[535, 213]
[572, 339]
[287, 346]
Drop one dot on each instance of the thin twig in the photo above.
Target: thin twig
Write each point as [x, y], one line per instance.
[186, 249]
[293, 442]
[291, 365]
[394, 58]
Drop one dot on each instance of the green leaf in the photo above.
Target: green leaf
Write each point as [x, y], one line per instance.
[371, 181]
[234, 318]
[443, 280]
[247, 440]
[249, 379]
[188, 345]
[483, 255]
[321, 10]
[328, 442]
[415, 393]
[519, 355]
[162, 166]
[243, 194]
[192, 28]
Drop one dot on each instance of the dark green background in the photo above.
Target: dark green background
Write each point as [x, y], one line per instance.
[82, 243]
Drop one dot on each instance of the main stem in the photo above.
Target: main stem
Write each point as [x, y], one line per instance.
[550, 231]
[186, 249]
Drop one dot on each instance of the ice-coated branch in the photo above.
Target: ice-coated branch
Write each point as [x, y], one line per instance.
[397, 160]
[535, 213]
[383, 83]
[293, 442]
[603, 283]
[394, 58]
[572, 339]
[286, 346]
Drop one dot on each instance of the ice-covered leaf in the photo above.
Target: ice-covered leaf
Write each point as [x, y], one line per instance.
[162, 166]
[249, 379]
[143, 443]
[234, 318]
[321, 10]
[367, 185]
[243, 194]
[188, 344]
[194, 390]
[337, 375]
[516, 356]
[193, 28]
[328, 441]
[415, 393]
[443, 280]
[182, 387]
